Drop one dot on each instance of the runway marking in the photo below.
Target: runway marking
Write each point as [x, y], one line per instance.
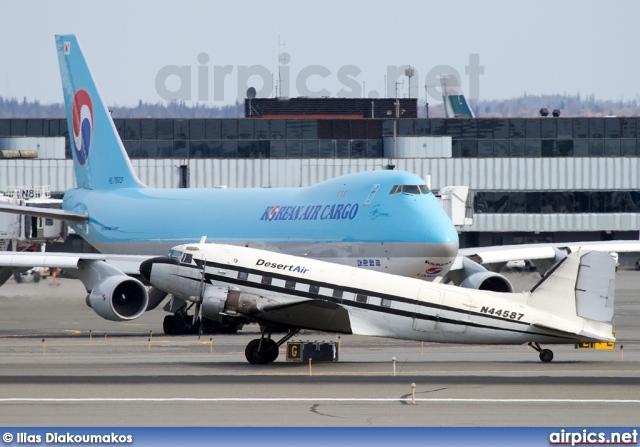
[311, 399]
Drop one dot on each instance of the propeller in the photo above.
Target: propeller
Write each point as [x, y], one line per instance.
[198, 311]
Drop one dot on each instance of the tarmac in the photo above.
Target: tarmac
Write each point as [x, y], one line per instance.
[63, 365]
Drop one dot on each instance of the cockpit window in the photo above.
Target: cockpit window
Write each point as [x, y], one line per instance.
[410, 189]
[187, 258]
[175, 254]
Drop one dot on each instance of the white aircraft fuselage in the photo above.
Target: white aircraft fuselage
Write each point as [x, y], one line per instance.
[288, 291]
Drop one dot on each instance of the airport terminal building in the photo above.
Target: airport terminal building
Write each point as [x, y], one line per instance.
[546, 179]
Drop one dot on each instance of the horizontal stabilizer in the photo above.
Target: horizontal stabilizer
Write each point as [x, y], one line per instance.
[47, 213]
[588, 331]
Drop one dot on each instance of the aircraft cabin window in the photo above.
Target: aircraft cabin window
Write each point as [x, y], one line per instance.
[314, 289]
[266, 280]
[385, 302]
[337, 293]
[361, 298]
[289, 284]
[243, 275]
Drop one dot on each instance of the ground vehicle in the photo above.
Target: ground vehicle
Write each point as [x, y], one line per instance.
[32, 275]
[616, 258]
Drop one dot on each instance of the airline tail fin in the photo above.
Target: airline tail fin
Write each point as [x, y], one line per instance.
[579, 286]
[455, 104]
[100, 160]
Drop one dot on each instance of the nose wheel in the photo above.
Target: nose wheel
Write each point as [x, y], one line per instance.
[546, 355]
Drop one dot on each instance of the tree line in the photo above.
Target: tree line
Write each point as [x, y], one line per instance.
[526, 106]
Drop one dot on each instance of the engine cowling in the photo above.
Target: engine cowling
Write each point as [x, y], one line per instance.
[487, 280]
[473, 275]
[118, 298]
[221, 301]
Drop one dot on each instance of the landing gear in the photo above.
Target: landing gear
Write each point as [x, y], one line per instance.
[261, 351]
[264, 350]
[546, 355]
[181, 323]
[174, 325]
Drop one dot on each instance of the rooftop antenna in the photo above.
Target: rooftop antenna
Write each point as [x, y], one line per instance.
[409, 73]
[282, 59]
[251, 94]
[426, 99]
[398, 100]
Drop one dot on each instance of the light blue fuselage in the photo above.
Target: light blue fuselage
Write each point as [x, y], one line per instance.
[330, 220]
[360, 219]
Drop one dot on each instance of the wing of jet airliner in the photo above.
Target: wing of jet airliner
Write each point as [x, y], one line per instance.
[497, 256]
[127, 264]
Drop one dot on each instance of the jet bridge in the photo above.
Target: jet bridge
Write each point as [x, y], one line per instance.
[457, 202]
[20, 231]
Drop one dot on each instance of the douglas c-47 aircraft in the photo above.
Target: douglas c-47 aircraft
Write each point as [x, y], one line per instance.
[573, 303]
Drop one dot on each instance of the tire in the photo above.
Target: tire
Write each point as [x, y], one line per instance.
[17, 277]
[167, 324]
[273, 351]
[546, 355]
[211, 326]
[252, 354]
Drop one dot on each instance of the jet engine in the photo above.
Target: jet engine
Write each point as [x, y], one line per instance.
[118, 298]
[475, 276]
[487, 280]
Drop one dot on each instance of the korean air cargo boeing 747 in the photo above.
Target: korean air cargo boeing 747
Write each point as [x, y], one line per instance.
[382, 220]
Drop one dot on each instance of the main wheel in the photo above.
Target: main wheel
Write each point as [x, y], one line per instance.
[167, 324]
[211, 326]
[271, 350]
[546, 355]
[253, 355]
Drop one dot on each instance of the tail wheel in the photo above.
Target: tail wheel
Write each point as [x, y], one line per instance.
[546, 355]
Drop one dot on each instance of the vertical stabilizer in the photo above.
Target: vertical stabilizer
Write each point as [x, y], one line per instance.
[455, 104]
[582, 286]
[100, 160]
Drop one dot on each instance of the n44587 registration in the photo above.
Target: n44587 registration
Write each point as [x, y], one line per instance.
[501, 313]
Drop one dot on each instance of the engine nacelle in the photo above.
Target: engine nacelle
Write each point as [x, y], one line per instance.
[213, 302]
[118, 298]
[487, 280]
[221, 300]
